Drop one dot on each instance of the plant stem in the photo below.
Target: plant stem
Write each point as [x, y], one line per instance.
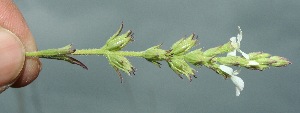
[53, 52]
[106, 52]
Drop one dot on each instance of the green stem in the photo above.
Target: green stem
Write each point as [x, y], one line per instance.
[55, 52]
[106, 52]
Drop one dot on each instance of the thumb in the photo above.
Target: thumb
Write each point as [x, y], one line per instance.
[12, 57]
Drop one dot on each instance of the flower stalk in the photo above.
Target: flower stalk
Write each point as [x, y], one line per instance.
[179, 57]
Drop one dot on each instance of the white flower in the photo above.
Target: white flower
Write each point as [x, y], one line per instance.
[236, 43]
[237, 81]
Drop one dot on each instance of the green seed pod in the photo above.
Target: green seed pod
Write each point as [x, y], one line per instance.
[120, 62]
[180, 67]
[155, 54]
[183, 45]
[117, 42]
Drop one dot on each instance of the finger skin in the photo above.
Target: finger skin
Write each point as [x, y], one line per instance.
[12, 19]
[12, 57]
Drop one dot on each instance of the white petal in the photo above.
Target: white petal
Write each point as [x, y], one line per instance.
[252, 63]
[239, 38]
[238, 82]
[234, 43]
[237, 92]
[227, 69]
[240, 35]
[244, 54]
[232, 53]
[233, 39]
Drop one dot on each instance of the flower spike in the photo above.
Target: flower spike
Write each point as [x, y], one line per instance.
[179, 57]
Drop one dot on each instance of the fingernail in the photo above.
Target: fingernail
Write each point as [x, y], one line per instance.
[12, 57]
[3, 88]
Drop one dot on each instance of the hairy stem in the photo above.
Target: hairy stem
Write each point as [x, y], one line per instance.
[55, 52]
[106, 52]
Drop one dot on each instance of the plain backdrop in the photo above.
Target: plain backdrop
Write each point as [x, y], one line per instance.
[270, 26]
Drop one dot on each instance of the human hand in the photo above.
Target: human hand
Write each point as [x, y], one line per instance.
[15, 38]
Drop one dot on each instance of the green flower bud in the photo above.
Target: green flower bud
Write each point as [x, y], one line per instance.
[183, 45]
[219, 50]
[257, 55]
[155, 54]
[196, 57]
[280, 61]
[117, 42]
[180, 67]
[120, 63]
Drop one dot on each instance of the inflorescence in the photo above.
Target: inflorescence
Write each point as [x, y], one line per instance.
[179, 57]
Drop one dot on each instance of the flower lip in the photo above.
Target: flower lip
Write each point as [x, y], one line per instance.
[237, 81]
[239, 84]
